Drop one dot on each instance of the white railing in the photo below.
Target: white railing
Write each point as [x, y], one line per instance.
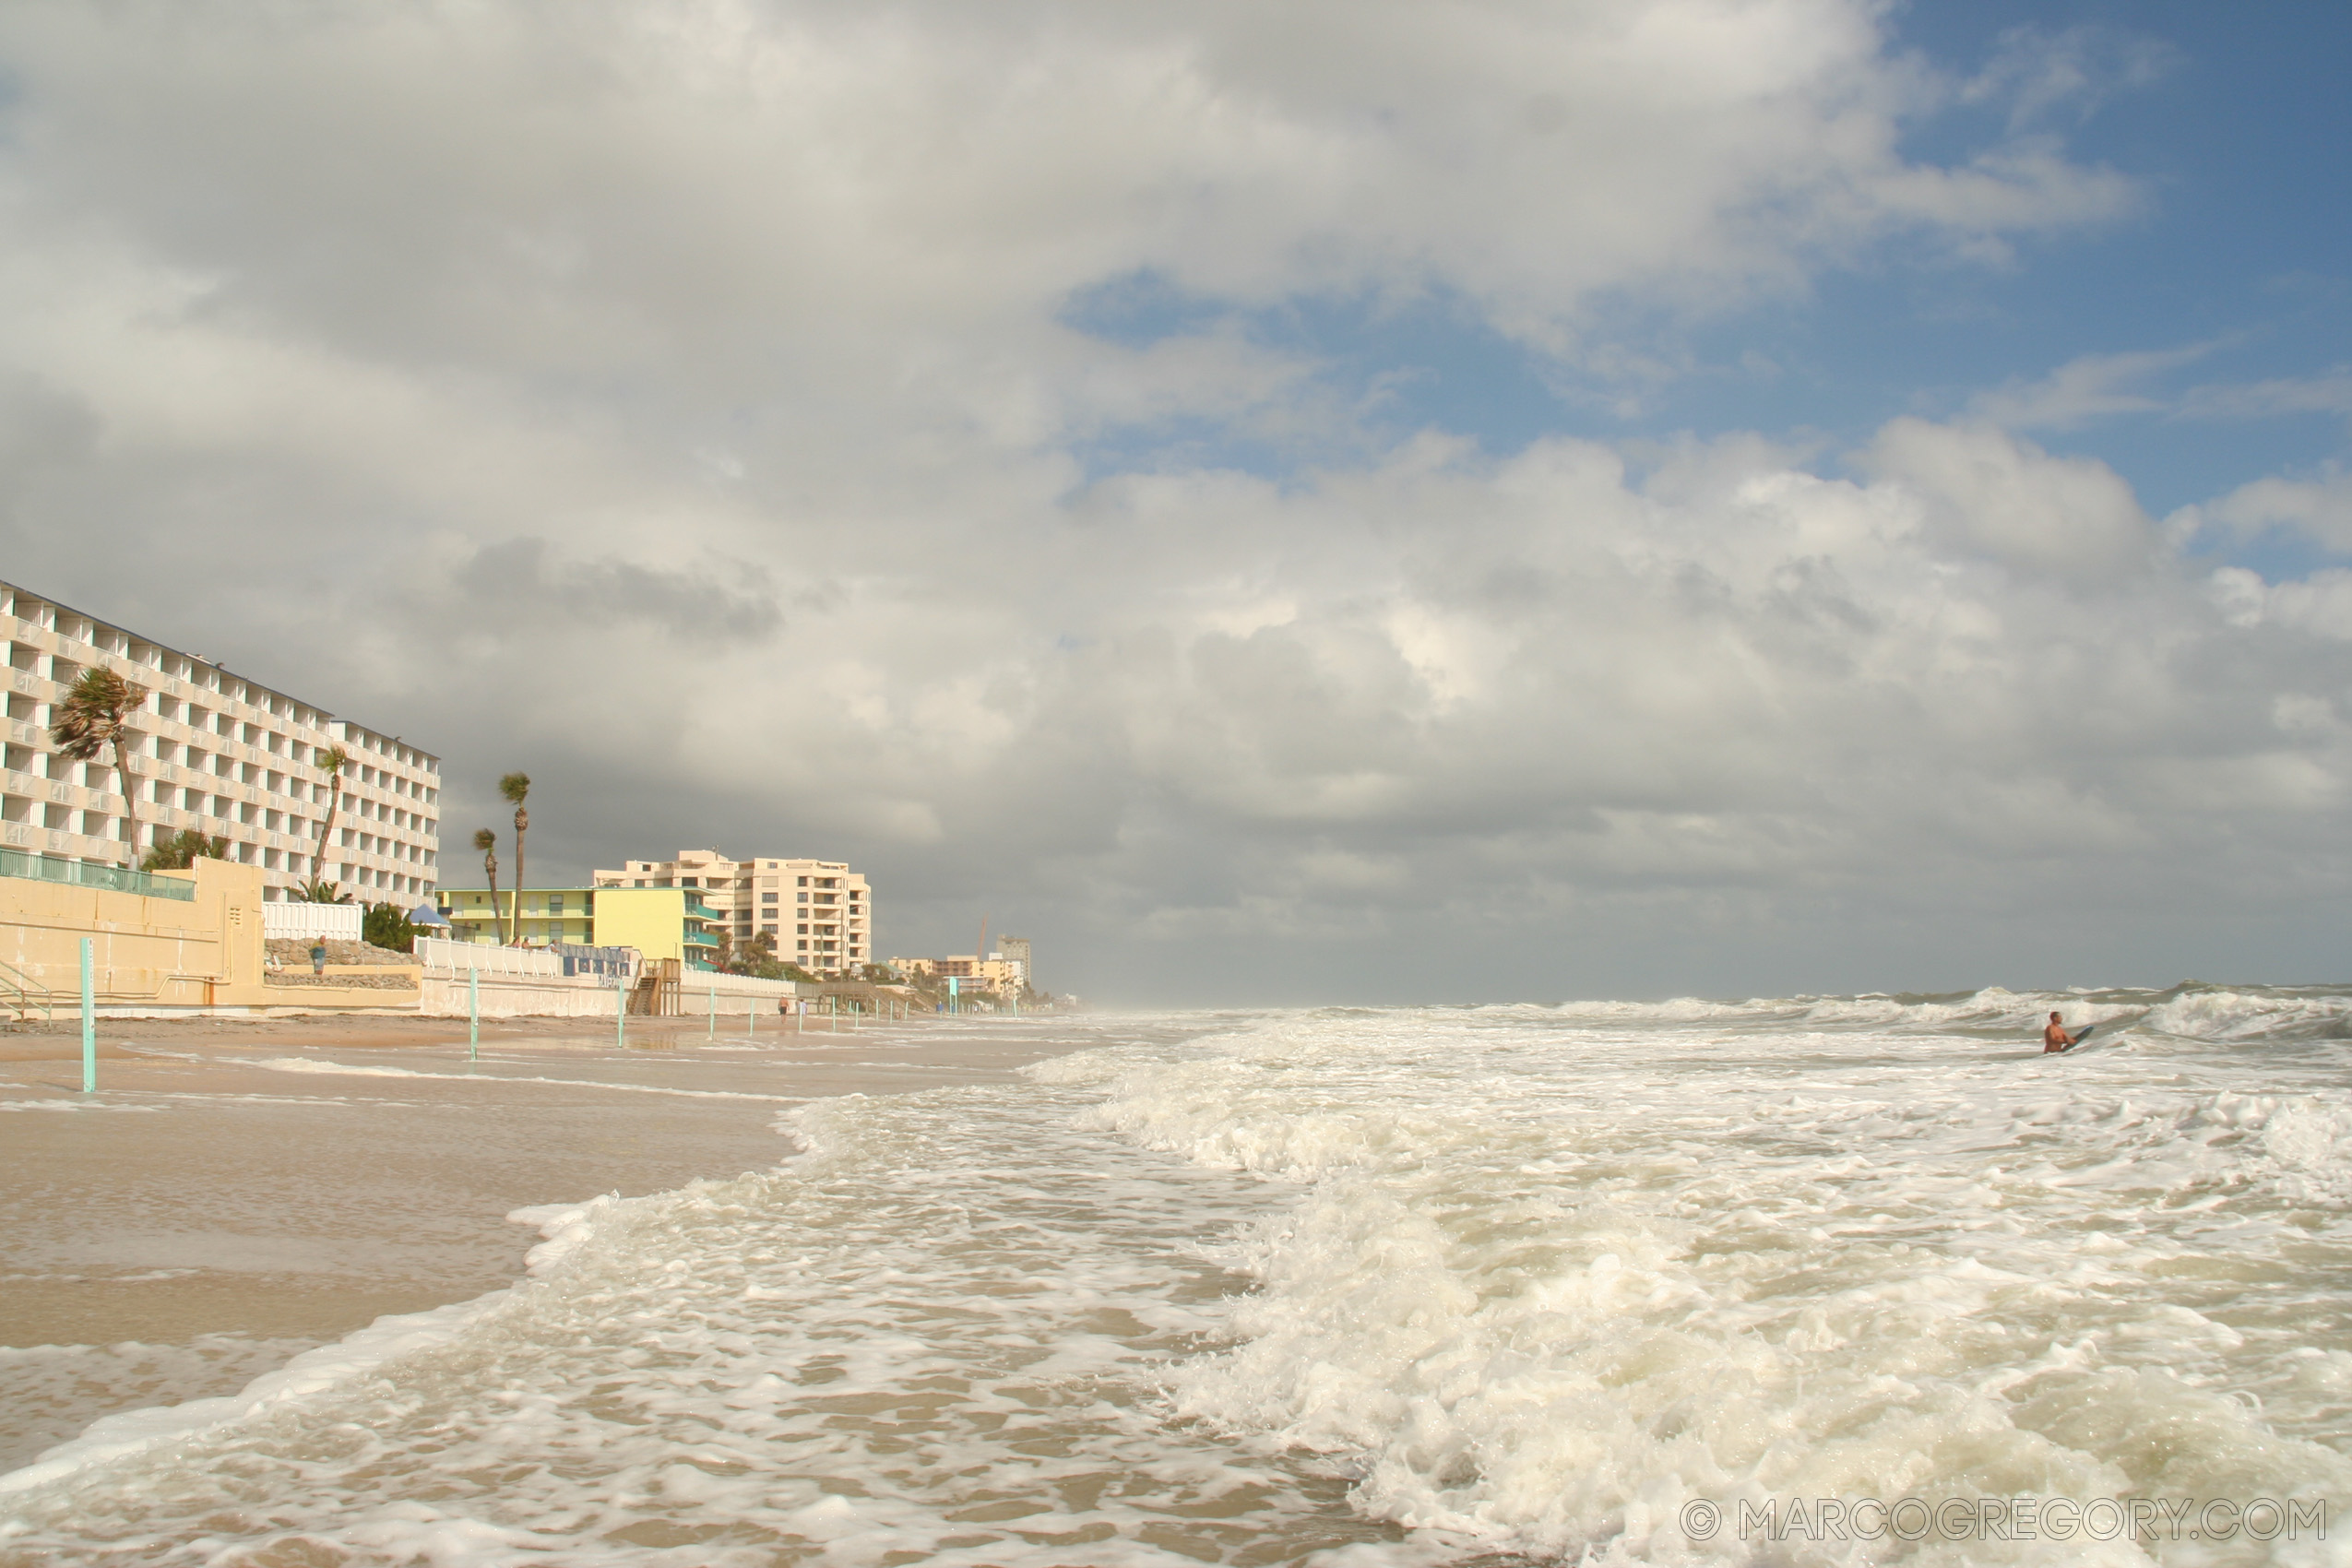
[442, 957]
[340, 922]
[698, 985]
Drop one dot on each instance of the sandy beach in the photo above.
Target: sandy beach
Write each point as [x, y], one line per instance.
[238, 1191]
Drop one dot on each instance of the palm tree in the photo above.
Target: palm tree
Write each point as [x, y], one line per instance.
[96, 713]
[516, 787]
[181, 848]
[487, 842]
[331, 761]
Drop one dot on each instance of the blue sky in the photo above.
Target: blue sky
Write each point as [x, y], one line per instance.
[2231, 120]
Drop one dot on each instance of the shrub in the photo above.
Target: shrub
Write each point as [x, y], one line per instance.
[386, 926]
[176, 852]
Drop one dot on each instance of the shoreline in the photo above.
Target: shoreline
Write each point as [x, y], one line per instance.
[61, 1039]
[239, 1191]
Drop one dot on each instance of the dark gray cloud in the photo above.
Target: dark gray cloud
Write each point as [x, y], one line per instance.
[524, 578]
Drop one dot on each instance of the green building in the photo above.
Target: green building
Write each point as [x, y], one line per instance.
[659, 922]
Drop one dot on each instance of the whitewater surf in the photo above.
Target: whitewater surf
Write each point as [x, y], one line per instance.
[1614, 1282]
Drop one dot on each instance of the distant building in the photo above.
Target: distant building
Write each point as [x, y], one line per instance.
[659, 923]
[819, 912]
[996, 972]
[217, 754]
[1014, 950]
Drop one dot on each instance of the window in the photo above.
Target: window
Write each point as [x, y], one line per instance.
[769, 897]
[803, 931]
[688, 882]
[804, 897]
[804, 882]
[804, 945]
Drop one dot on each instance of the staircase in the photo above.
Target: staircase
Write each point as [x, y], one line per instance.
[657, 991]
[22, 995]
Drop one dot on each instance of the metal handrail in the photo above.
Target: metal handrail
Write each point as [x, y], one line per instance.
[82, 874]
[14, 981]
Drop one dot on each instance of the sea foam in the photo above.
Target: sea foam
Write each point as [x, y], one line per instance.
[1549, 1290]
[1366, 1288]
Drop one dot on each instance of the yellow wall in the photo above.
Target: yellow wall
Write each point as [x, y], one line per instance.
[651, 919]
[158, 953]
[471, 917]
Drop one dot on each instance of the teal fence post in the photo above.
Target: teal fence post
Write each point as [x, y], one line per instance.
[89, 1024]
[473, 1015]
[621, 1015]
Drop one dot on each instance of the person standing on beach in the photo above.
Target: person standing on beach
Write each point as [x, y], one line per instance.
[2055, 1037]
[318, 957]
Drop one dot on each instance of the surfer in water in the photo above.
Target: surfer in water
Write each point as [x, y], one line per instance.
[2055, 1037]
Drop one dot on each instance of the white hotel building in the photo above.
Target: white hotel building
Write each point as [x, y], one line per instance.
[217, 753]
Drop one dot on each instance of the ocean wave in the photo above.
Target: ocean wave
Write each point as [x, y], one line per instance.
[934, 1335]
[2191, 1009]
[2220, 1015]
[1545, 1307]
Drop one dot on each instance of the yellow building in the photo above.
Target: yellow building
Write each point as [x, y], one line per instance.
[549, 914]
[659, 922]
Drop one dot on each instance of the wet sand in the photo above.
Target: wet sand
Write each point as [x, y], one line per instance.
[240, 1190]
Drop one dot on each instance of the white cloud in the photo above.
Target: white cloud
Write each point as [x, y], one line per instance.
[2319, 509]
[681, 400]
[2327, 393]
[2035, 74]
[2096, 386]
[1987, 491]
[2093, 386]
[569, 188]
